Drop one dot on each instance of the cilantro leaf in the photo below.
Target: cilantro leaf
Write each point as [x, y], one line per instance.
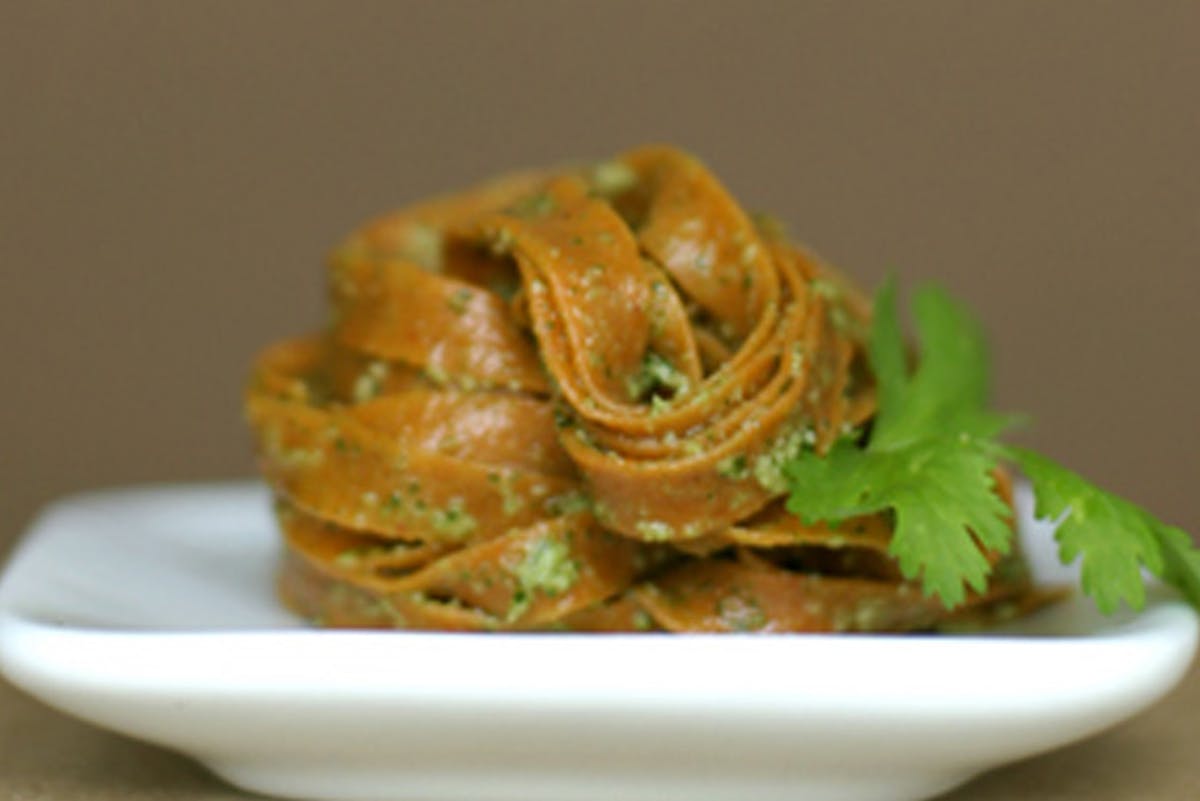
[948, 390]
[1113, 538]
[941, 491]
[931, 455]
[930, 461]
[1182, 558]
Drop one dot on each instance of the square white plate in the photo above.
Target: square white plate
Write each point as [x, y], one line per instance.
[151, 612]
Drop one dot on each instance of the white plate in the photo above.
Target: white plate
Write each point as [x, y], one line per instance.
[150, 612]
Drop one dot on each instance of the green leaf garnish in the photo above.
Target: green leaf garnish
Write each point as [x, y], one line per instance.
[931, 459]
[941, 491]
[931, 454]
[1113, 538]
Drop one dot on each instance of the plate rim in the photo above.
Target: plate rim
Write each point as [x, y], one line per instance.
[1168, 629]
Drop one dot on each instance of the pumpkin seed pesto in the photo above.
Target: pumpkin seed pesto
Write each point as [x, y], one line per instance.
[741, 612]
[655, 373]
[540, 204]
[423, 244]
[370, 381]
[546, 568]
[569, 503]
[655, 530]
[768, 466]
[453, 520]
[734, 467]
[611, 178]
[511, 501]
[459, 300]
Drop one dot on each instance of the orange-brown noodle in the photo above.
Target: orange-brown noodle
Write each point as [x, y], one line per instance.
[563, 401]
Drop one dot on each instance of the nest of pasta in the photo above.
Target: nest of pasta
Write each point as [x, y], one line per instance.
[563, 401]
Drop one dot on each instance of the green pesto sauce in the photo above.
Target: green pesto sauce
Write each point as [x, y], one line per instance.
[749, 254]
[459, 300]
[539, 204]
[370, 381]
[501, 243]
[454, 520]
[869, 614]
[547, 569]
[345, 446]
[768, 467]
[423, 245]
[294, 458]
[734, 467]
[655, 374]
[796, 363]
[511, 500]
[609, 178]
[437, 374]
[654, 530]
[741, 613]
[568, 503]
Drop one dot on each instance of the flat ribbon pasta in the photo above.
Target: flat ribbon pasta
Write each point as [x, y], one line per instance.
[563, 401]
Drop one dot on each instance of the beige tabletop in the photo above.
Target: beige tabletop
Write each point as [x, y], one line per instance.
[173, 173]
[47, 757]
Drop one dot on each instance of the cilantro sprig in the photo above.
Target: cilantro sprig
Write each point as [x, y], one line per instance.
[931, 458]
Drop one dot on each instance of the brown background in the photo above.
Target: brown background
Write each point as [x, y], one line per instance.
[171, 176]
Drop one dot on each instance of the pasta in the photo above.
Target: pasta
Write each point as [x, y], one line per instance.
[562, 401]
